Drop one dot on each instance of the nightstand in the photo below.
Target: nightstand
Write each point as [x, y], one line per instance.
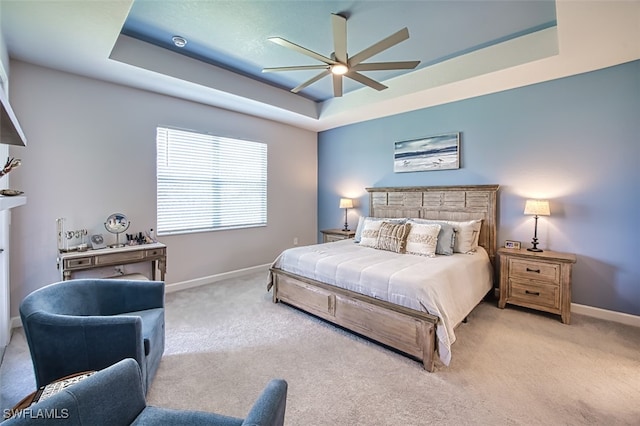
[537, 280]
[329, 235]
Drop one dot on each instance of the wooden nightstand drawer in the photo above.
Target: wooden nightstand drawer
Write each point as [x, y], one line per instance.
[535, 270]
[534, 294]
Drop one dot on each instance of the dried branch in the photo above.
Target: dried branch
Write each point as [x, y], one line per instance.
[11, 164]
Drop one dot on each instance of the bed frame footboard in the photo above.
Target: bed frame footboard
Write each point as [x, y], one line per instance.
[406, 330]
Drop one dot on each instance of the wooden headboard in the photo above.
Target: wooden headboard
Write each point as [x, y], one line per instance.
[457, 203]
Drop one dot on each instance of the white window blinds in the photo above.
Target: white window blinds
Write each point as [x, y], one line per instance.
[208, 182]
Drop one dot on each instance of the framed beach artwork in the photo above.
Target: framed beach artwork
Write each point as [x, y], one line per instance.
[440, 152]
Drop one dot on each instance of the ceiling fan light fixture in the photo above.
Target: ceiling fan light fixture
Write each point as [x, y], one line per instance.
[341, 64]
[339, 69]
[179, 41]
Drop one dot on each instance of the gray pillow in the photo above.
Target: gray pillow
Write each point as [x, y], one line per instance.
[446, 236]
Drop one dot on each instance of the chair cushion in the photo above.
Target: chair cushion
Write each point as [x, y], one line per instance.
[165, 416]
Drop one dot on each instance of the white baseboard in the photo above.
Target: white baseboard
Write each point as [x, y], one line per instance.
[628, 319]
[183, 285]
[604, 314]
[16, 322]
[599, 313]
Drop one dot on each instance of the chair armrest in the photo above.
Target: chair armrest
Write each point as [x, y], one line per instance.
[62, 344]
[269, 408]
[114, 395]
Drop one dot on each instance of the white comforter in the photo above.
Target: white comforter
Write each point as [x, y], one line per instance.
[446, 286]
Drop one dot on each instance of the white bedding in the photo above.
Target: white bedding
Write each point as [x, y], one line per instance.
[446, 286]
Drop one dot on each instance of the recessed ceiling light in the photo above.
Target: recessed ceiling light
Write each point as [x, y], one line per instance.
[179, 41]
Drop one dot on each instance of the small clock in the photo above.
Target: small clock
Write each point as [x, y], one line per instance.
[97, 242]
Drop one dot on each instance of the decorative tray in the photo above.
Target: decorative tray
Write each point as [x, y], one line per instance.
[10, 192]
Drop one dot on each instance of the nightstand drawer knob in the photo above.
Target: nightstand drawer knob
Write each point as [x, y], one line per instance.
[533, 293]
[537, 271]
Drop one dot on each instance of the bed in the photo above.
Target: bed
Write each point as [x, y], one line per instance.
[421, 327]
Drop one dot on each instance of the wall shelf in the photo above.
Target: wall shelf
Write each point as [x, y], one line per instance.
[11, 202]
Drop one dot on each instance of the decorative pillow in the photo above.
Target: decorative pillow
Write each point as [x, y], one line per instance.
[422, 239]
[358, 236]
[360, 226]
[392, 236]
[446, 237]
[467, 235]
[370, 231]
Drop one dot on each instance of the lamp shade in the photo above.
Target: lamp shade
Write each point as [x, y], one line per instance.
[346, 203]
[537, 207]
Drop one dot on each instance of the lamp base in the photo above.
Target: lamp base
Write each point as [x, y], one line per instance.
[534, 241]
[346, 222]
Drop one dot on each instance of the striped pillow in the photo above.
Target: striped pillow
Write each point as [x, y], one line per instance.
[392, 237]
[423, 239]
[370, 231]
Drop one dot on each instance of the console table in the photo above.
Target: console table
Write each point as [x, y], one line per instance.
[155, 253]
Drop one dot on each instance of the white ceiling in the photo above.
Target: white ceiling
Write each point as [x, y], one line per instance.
[85, 38]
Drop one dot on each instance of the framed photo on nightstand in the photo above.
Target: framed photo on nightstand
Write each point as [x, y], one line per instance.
[512, 244]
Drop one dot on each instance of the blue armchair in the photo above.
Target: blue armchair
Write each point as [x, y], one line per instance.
[115, 396]
[90, 324]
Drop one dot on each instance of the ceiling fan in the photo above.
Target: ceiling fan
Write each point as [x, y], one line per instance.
[340, 64]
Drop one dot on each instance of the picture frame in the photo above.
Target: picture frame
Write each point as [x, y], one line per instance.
[97, 242]
[439, 152]
[510, 244]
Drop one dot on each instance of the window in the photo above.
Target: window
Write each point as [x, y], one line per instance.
[208, 182]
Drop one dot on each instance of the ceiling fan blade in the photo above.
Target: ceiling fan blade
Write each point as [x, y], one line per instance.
[298, 68]
[365, 80]
[300, 49]
[337, 85]
[311, 81]
[339, 23]
[378, 47]
[376, 66]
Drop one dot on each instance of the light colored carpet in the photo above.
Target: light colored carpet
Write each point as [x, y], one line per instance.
[510, 367]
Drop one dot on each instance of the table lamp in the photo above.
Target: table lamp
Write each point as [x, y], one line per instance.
[536, 208]
[346, 204]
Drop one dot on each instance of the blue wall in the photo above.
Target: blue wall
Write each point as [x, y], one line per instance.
[574, 141]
